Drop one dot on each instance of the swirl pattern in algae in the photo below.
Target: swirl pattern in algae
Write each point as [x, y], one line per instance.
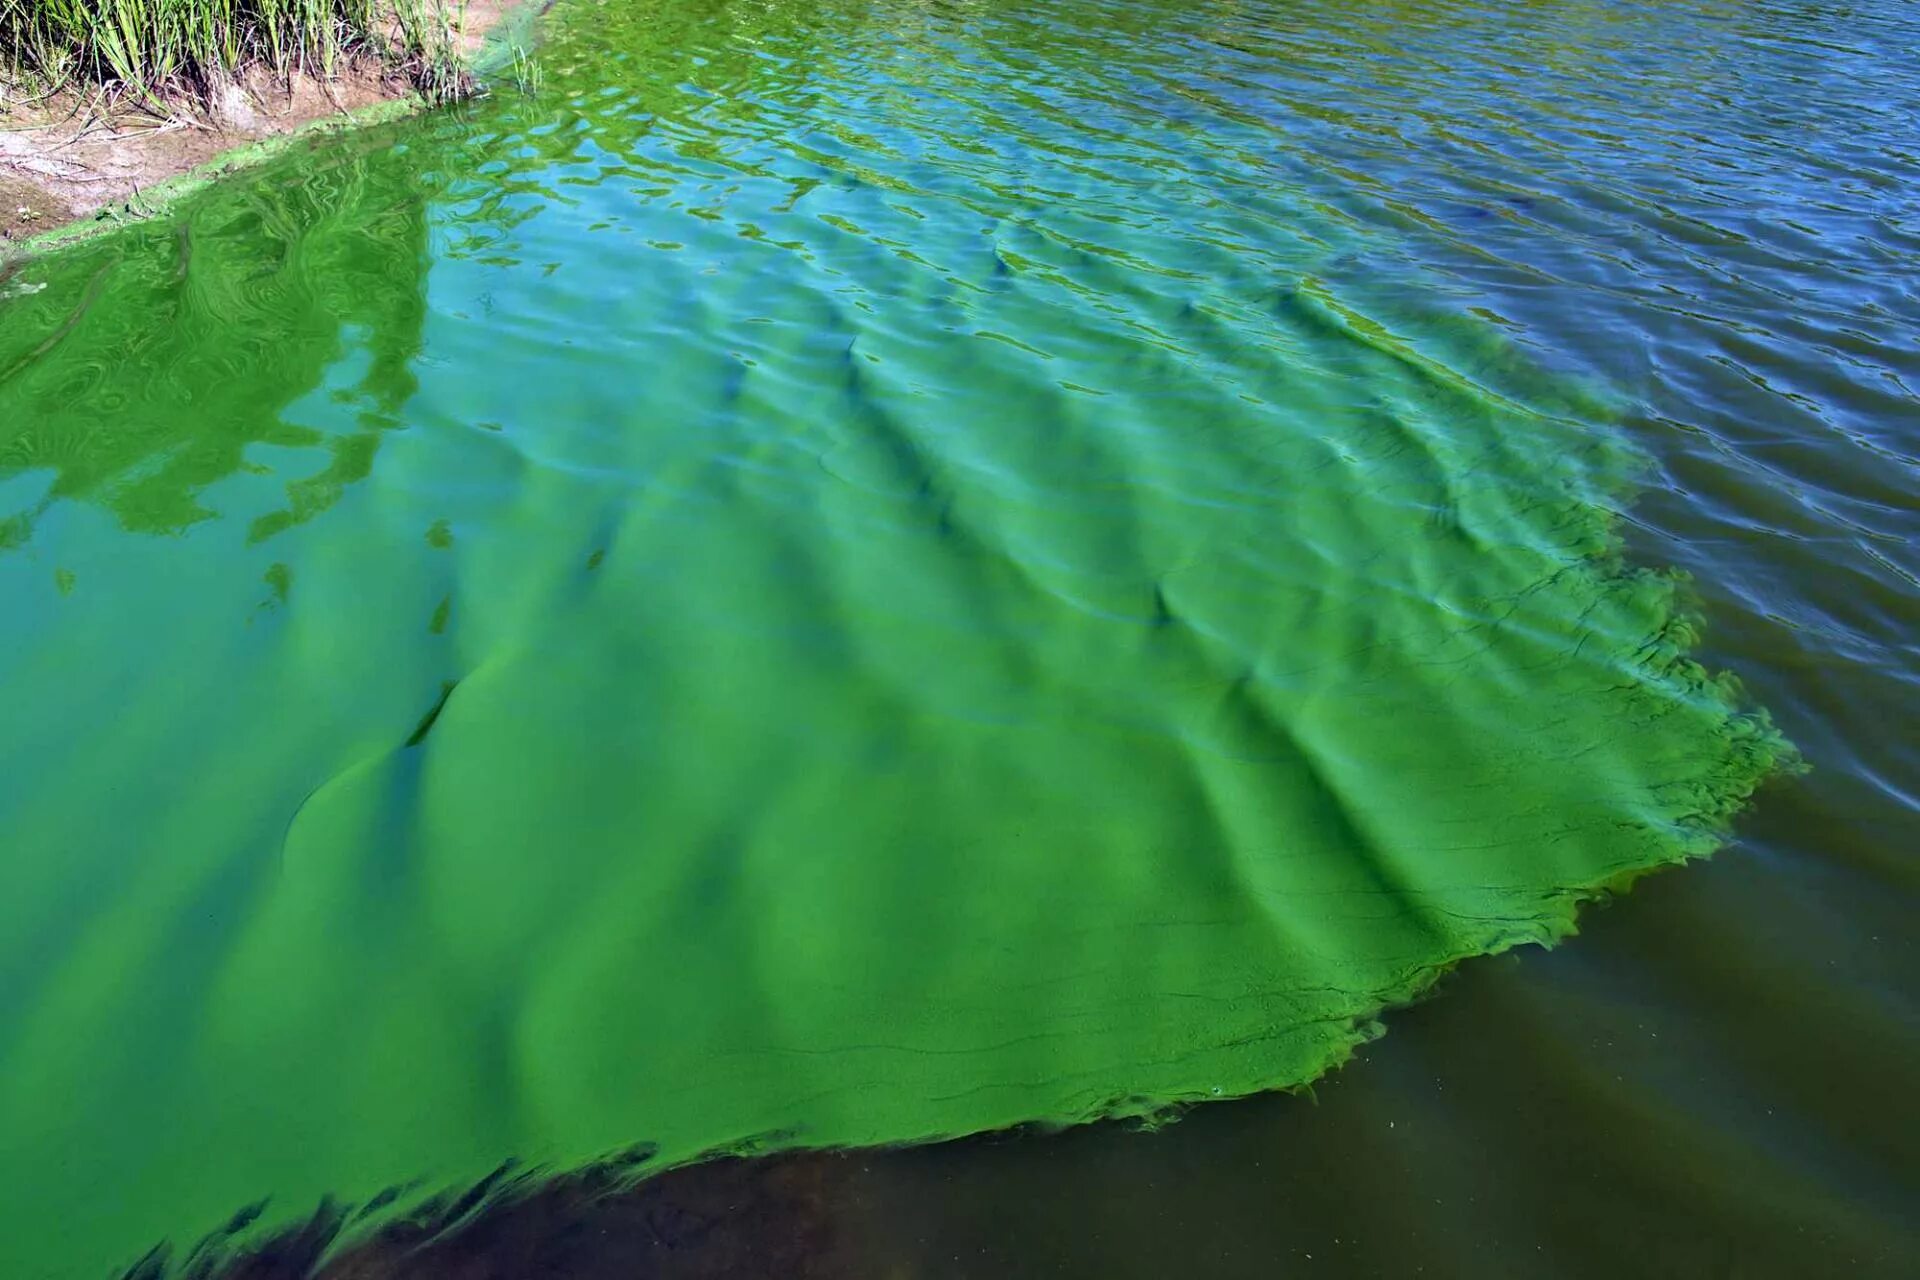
[832, 576]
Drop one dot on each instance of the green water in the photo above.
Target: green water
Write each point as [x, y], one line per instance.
[818, 579]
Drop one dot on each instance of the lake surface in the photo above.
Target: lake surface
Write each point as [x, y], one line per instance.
[838, 575]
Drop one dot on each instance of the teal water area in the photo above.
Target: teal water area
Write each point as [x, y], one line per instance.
[844, 575]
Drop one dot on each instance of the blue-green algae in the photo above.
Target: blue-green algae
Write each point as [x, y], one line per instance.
[838, 574]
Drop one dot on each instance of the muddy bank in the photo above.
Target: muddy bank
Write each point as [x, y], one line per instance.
[79, 160]
[80, 155]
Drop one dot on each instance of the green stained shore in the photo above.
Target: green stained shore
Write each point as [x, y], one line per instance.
[754, 597]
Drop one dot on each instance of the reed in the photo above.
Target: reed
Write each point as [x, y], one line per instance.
[156, 48]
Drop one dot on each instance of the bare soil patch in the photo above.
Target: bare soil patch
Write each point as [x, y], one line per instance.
[69, 157]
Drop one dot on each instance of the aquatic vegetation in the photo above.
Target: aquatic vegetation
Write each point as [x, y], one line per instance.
[147, 46]
[615, 618]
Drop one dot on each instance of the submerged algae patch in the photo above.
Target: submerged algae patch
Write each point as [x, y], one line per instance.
[931, 746]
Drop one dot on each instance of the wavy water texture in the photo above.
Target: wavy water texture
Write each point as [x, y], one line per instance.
[835, 576]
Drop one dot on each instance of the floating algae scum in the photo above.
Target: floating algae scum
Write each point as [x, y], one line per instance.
[826, 578]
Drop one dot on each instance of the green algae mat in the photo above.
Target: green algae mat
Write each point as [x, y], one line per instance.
[810, 580]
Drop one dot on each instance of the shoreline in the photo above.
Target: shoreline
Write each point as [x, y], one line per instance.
[64, 179]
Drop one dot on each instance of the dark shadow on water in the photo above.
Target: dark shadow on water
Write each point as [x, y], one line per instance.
[732, 1217]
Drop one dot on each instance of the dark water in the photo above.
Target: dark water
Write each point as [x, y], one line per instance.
[823, 520]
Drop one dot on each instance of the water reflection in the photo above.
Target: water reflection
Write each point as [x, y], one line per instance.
[160, 361]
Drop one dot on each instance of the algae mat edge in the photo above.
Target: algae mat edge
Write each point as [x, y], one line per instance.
[818, 691]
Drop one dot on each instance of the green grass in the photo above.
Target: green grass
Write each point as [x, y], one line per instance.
[148, 48]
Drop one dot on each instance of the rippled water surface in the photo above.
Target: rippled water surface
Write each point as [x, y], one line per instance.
[830, 574]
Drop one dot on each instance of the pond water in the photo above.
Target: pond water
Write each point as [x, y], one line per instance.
[828, 574]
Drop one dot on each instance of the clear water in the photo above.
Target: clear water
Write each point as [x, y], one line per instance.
[846, 574]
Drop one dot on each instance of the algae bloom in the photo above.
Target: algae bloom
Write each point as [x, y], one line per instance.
[930, 620]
